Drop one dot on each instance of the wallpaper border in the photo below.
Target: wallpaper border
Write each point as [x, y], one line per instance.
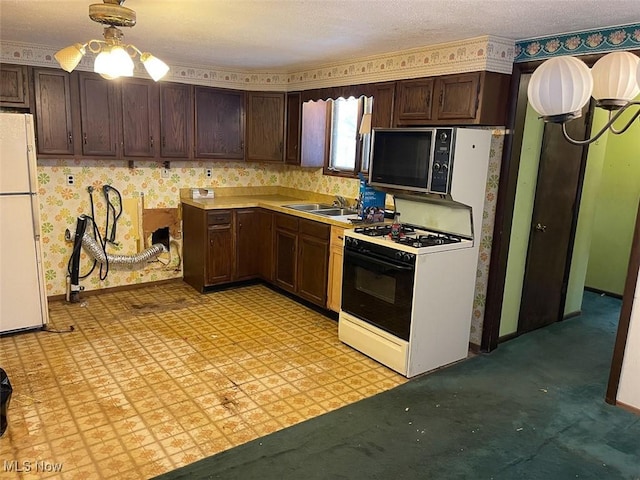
[623, 37]
[481, 53]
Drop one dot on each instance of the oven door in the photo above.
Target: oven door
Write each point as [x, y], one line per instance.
[378, 291]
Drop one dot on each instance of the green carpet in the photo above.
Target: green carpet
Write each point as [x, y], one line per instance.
[534, 408]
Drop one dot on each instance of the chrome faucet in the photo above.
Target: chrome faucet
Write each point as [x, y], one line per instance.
[340, 202]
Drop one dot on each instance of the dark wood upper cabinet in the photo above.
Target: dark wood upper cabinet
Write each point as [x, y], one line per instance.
[383, 97]
[14, 88]
[458, 97]
[140, 117]
[98, 115]
[294, 114]
[265, 126]
[54, 125]
[176, 123]
[220, 122]
[478, 98]
[413, 101]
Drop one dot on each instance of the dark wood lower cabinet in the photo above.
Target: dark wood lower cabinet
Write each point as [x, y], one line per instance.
[286, 248]
[313, 266]
[224, 246]
[220, 254]
[302, 257]
[249, 244]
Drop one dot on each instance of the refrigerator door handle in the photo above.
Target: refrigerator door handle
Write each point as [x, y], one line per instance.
[31, 156]
[35, 216]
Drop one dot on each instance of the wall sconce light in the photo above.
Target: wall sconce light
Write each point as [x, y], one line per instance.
[561, 86]
[114, 58]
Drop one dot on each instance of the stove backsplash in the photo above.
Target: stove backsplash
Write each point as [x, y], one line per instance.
[433, 213]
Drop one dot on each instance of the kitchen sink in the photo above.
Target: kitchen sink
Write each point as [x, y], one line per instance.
[308, 207]
[334, 212]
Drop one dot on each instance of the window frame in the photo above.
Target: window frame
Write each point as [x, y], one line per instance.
[327, 168]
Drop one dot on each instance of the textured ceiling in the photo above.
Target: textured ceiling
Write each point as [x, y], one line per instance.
[288, 35]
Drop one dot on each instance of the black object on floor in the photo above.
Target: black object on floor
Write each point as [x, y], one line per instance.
[5, 397]
[533, 409]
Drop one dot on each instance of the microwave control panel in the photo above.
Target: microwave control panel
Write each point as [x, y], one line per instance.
[442, 163]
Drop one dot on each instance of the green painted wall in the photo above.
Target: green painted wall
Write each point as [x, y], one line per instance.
[522, 211]
[617, 205]
[586, 216]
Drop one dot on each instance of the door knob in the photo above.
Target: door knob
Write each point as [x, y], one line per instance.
[541, 228]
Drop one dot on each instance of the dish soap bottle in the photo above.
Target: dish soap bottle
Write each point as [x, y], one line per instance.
[396, 228]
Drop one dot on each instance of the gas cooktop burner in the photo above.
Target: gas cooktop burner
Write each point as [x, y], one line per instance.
[382, 230]
[409, 236]
[428, 240]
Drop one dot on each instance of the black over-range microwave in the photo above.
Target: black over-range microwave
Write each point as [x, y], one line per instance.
[416, 159]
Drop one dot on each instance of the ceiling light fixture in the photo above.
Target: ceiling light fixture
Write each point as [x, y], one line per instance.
[114, 58]
[561, 86]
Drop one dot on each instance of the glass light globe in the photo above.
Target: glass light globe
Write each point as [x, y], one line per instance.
[615, 79]
[559, 88]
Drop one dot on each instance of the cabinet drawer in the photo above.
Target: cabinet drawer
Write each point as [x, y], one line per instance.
[337, 236]
[287, 222]
[218, 217]
[315, 229]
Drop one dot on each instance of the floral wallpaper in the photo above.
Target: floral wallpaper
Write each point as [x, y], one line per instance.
[581, 43]
[486, 235]
[61, 204]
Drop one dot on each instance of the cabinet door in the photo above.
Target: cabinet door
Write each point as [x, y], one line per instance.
[14, 91]
[313, 262]
[382, 114]
[219, 123]
[175, 120]
[53, 111]
[286, 246]
[139, 117]
[458, 96]
[413, 101]
[220, 254]
[294, 109]
[98, 118]
[265, 126]
[249, 244]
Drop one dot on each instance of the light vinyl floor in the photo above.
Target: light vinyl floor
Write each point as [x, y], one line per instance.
[154, 378]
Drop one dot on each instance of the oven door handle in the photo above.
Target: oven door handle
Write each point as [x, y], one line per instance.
[365, 260]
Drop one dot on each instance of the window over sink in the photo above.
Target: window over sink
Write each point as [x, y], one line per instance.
[349, 136]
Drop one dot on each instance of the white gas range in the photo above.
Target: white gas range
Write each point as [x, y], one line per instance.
[408, 302]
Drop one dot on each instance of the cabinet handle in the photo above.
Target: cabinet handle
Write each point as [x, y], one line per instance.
[85, 138]
[151, 141]
[70, 138]
[164, 141]
[441, 97]
[340, 237]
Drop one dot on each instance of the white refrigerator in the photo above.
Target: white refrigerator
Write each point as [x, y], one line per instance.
[23, 299]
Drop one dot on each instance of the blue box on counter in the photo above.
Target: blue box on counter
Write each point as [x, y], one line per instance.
[372, 202]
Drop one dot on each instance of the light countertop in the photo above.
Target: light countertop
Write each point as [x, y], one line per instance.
[275, 202]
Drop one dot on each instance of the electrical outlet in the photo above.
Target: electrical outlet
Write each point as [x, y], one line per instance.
[208, 172]
[166, 173]
[71, 180]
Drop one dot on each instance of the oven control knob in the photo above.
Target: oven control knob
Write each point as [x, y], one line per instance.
[445, 167]
[436, 167]
[443, 137]
[408, 257]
